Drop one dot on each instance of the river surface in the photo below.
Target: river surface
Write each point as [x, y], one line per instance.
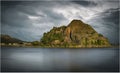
[59, 60]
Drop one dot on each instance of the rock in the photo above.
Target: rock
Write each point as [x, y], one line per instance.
[76, 34]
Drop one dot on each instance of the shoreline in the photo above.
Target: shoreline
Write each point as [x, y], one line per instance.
[61, 47]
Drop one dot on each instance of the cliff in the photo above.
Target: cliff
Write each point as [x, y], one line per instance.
[76, 34]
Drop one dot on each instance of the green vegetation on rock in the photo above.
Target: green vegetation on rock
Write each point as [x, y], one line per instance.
[76, 34]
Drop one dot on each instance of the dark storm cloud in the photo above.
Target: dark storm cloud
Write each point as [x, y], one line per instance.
[20, 12]
[113, 16]
[11, 16]
[9, 4]
[14, 19]
[86, 3]
[113, 24]
[20, 19]
[108, 24]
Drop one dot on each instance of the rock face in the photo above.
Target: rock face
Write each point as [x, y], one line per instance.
[76, 34]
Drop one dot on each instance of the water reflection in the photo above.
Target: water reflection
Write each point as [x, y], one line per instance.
[43, 59]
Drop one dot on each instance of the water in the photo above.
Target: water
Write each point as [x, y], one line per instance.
[63, 60]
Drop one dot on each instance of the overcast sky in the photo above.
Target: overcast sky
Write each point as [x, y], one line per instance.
[28, 20]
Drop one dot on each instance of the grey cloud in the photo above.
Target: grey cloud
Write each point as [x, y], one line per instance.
[9, 4]
[54, 17]
[113, 16]
[107, 23]
[86, 3]
[15, 19]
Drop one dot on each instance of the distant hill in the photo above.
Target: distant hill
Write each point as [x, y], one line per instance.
[8, 39]
[76, 34]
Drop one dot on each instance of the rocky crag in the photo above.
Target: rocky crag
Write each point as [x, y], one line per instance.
[76, 34]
